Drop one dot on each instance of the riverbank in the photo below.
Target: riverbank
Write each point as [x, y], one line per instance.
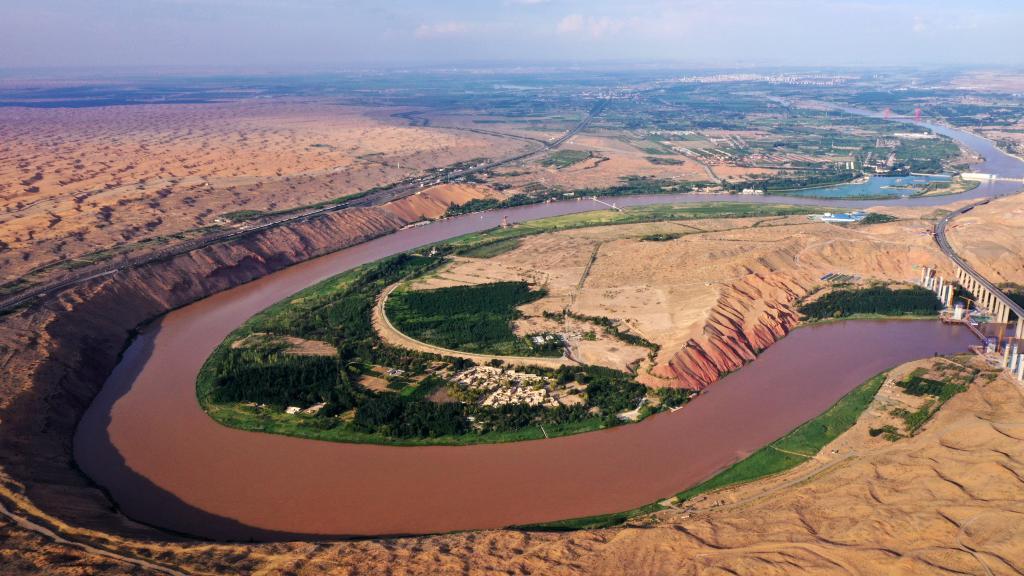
[787, 452]
[898, 495]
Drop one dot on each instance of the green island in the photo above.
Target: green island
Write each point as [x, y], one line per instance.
[313, 366]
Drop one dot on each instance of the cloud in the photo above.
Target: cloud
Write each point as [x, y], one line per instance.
[571, 24]
[441, 30]
[593, 27]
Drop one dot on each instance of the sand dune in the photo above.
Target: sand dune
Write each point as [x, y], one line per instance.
[75, 181]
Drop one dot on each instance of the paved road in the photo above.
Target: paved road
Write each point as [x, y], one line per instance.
[374, 198]
[943, 242]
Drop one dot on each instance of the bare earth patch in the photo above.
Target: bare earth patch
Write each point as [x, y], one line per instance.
[712, 298]
[296, 346]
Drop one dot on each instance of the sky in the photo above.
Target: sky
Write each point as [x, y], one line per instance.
[353, 33]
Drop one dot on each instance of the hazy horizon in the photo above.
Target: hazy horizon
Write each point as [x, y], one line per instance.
[280, 34]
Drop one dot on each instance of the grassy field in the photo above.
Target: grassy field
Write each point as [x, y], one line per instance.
[491, 249]
[565, 158]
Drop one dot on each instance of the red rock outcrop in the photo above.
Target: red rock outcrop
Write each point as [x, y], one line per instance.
[750, 315]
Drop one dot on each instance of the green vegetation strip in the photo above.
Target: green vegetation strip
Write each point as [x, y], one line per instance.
[629, 215]
[785, 453]
[874, 300]
[798, 446]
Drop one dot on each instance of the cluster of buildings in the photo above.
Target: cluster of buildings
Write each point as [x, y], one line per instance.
[493, 387]
[312, 410]
[791, 79]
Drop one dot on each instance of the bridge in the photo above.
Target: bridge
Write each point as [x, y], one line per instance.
[984, 177]
[987, 295]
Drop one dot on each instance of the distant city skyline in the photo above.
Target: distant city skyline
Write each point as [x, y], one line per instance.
[284, 33]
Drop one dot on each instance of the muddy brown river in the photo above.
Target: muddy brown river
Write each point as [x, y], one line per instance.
[164, 462]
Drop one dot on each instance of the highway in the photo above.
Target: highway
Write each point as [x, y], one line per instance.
[943, 242]
[373, 198]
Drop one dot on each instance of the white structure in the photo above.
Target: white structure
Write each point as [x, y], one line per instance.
[978, 176]
[847, 218]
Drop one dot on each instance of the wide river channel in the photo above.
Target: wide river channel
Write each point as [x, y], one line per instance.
[166, 463]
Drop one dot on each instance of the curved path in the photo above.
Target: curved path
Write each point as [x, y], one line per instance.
[164, 462]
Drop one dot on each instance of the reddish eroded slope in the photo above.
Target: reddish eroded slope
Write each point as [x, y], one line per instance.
[56, 355]
[750, 315]
[433, 202]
